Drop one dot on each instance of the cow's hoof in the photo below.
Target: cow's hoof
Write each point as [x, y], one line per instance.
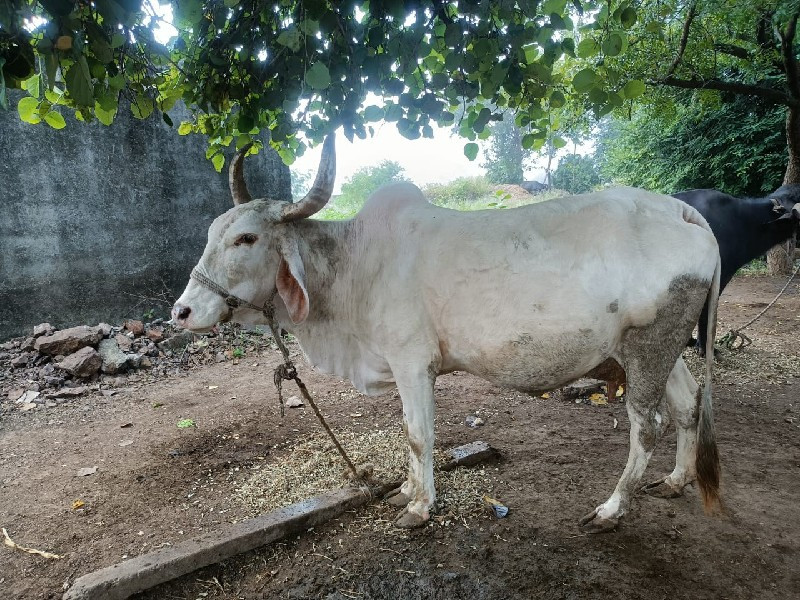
[397, 498]
[591, 523]
[409, 520]
[662, 489]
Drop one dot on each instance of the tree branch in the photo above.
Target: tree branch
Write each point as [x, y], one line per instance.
[789, 59]
[732, 50]
[770, 94]
[684, 39]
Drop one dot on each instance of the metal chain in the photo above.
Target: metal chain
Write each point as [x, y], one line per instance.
[733, 336]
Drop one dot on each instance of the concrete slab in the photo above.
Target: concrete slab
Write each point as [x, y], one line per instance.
[143, 572]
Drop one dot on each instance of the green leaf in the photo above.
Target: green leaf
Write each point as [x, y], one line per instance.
[28, 109]
[633, 89]
[142, 106]
[471, 150]
[218, 160]
[117, 40]
[32, 85]
[584, 80]
[291, 38]
[309, 26]
[612, 45]
[51, 68]
[55, 120]
[587, 48]
[628, 17]
[528, 140]
[185, 128]
[167, 119]
[318, 76]
[104, 115]
[79, 83]
[559, 142]
[373, 113]
[185, 423]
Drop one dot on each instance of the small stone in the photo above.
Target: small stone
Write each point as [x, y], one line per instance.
[108, 393]
[10, 345]
[83, 363]
[177, 342]
[43, 329]
[123, 341]
[470, 454]
[145, 362]
[789, 419]
[220, 357]
[50, 404]
[15, 394]
[156, 334]
[69, 392]
[28, 396]
[293, 402]
[21, 361]
[114, 359]
[86, 471]
[53, 381]
[27, 344]
[105, 329]
[473, 421]
[28, 406]
[134, 326]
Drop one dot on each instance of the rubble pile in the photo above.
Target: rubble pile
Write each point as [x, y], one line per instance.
[52, 366]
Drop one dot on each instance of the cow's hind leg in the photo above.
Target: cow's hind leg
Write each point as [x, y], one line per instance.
[648, 355]
[682, 400]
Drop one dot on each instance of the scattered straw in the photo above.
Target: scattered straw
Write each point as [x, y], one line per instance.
[766, 361]
[312, 466]
[12, 544]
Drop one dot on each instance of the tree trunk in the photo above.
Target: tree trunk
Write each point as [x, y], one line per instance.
[781, 258]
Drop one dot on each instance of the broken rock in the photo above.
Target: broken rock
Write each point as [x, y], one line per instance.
[21, 360]
[470, 454]
[43, 329]
[293, 402]
[69, 340]
[83, 363]
[177, 341]
[123, 341]
[114, 359]
[69, 392]
[134, 326]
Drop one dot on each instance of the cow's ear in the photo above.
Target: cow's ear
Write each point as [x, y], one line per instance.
[290, 281]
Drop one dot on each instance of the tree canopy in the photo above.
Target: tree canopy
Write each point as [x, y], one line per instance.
[299, 68]
[737, 145]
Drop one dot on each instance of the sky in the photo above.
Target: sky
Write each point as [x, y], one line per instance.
[424, 161]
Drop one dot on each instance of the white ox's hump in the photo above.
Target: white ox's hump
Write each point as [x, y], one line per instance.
[393, 198]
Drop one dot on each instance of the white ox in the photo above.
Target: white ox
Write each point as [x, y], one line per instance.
[530, 298]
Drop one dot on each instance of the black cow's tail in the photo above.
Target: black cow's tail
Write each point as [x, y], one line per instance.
[707, 459]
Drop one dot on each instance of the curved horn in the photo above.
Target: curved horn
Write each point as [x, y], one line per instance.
[321, 191]
[236, 178]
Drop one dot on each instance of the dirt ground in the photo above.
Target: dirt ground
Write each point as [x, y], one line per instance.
[157, 484]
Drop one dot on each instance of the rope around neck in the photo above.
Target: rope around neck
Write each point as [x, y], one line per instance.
[287, 370]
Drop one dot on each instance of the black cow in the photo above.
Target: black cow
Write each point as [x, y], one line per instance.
[745, 228]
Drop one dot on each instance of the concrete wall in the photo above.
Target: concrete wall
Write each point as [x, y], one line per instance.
[93, 217]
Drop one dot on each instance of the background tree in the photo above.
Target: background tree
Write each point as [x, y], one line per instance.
[505, 156]
[740, 48]
[737, 145]
[575, 174]
[360, 186]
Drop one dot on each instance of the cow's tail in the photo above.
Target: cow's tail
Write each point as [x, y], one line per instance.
[707, 460]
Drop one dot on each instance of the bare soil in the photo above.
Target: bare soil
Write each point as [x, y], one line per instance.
[157, 484]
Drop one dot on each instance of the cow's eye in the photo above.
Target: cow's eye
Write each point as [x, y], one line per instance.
[246, 238]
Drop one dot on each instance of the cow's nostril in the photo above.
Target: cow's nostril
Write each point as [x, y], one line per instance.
[184, 312]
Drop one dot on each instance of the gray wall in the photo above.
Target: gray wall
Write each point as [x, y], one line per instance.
[95, 217]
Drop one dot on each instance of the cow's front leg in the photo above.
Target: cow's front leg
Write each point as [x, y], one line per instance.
[417, 493]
